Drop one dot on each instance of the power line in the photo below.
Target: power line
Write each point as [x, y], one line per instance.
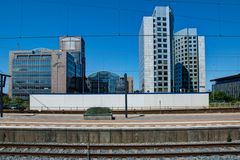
[200, 2]
[116, 35]
[118, 9]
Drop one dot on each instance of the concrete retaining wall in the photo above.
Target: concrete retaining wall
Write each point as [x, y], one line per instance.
[97, 136]
[117, 101]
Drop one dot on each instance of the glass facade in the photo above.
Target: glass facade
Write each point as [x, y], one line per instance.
[71, 74]
[31, 74]
[76, 47]
[42, 71]
[105, 82]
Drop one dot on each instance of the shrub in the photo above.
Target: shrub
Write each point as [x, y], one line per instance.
[98, 111]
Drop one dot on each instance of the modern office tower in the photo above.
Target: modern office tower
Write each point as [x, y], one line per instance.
[156, 51]
[76, 47]
[40, 71]
[189, 58]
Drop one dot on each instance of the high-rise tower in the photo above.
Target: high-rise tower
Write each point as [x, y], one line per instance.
[156, 51]
[189, 58]
[76, 47]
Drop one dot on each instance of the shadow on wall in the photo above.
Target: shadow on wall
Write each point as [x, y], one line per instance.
[183, 82]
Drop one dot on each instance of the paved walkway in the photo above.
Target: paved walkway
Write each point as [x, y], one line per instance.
[134, 121]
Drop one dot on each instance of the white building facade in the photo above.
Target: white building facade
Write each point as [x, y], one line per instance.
[170, 62]
[155, 51]
[189, 61]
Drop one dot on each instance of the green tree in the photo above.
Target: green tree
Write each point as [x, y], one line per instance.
[6, 100]
[25, 105]
[220, 97]
[19, 101]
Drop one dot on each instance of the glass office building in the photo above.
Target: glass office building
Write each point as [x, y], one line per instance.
[41, 71]
[75, 46]
[48, 71]
[31, 73]
[105, 82]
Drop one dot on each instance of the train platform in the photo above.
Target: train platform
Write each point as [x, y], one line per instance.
[218, 120]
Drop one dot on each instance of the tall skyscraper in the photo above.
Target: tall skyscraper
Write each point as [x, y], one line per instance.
[156, 51]
[167, 62]
[189, 58]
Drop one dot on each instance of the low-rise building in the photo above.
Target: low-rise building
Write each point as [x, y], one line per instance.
[229, 85]
[41, 71]
[107, 82]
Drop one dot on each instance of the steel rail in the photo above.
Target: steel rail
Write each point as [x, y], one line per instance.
[125, 155]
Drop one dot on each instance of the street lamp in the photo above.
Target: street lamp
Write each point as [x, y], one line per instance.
[126, 92]
[3, 78]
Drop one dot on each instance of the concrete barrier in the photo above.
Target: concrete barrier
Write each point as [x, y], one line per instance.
[118, 136]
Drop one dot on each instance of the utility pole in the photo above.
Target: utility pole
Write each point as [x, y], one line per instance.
[83, 75]
[126, 91]
[1, 93]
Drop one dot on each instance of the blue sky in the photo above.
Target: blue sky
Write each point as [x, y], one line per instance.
[119, 54]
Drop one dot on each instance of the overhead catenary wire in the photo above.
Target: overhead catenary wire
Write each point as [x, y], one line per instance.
[201, 2]
[115, 35]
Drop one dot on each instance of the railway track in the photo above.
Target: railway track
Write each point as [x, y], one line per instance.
[142, 111]
[120, 151]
